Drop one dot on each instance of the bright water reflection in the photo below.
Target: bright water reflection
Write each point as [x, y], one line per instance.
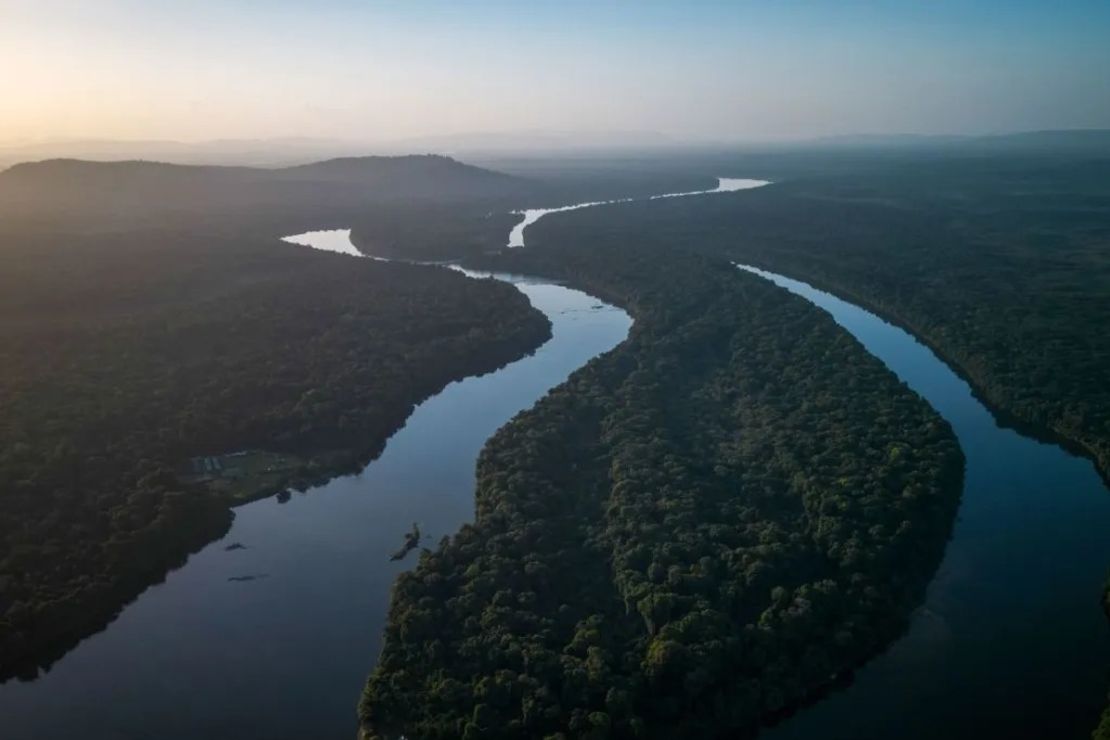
[532, 215]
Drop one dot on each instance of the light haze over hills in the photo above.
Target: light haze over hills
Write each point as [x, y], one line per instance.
[285, 152]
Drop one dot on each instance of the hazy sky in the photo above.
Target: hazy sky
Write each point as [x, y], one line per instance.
[201, 69]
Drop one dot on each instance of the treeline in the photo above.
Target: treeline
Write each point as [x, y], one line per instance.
[121, 357]
[1001, 263]
[697, 531]
[426, 232]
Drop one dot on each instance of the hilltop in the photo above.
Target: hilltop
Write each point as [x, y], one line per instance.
[96, 193]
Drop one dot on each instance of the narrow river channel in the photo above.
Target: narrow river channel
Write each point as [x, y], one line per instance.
[1011, 641]
[532, 215]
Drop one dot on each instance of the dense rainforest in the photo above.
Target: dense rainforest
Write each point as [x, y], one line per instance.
[699, 530]
[1000, 262]
[123, 356]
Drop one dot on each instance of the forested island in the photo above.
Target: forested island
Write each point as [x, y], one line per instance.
[695, 533]
[997, 260]
[123, 356]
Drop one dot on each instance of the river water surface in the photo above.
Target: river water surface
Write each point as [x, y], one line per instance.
[1011, 641]
[283, 650]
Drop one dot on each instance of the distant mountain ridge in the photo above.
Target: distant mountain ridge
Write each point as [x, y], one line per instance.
[141, 190]
[374, 170]
[293, 150]
[246, 152]
[288, 151]
[447, 171]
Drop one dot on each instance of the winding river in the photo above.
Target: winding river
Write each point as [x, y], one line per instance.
[1011, 641]
[270, 631]
[532, 215]
[275, 639]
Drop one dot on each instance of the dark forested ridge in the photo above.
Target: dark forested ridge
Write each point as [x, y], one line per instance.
[64, 184]
[121, 357]
[1002, 264]
[385, 194]
[422, 206]
[694, 533]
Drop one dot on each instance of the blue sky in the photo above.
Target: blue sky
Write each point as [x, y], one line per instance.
[375, 71]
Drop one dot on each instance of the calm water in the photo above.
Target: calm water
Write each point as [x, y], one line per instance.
[1011, 642]
[330, 240]
[532, 215]
[285, 655]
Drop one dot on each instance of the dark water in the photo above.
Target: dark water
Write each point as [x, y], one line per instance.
[1011, 642]
[284, 652]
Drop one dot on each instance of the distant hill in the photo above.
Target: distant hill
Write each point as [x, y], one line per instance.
[274, 152]
[286, 151]
[141, 191]
[427, 175]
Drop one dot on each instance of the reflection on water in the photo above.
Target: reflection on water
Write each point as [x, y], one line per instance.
[330, 240]
[270, 632]
[1011, 641]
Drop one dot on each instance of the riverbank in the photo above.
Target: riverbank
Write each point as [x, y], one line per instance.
[1012, 616]
[1005, 417]
[937, 254]
[532, 215]
[301, 581]
[699, 412]
[302, 353]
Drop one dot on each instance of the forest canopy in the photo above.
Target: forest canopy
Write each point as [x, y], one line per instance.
[695, 532]
[1000, 262]
[124, 356]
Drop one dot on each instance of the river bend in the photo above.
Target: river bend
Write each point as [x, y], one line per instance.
[275, 639]
[1011, 641]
